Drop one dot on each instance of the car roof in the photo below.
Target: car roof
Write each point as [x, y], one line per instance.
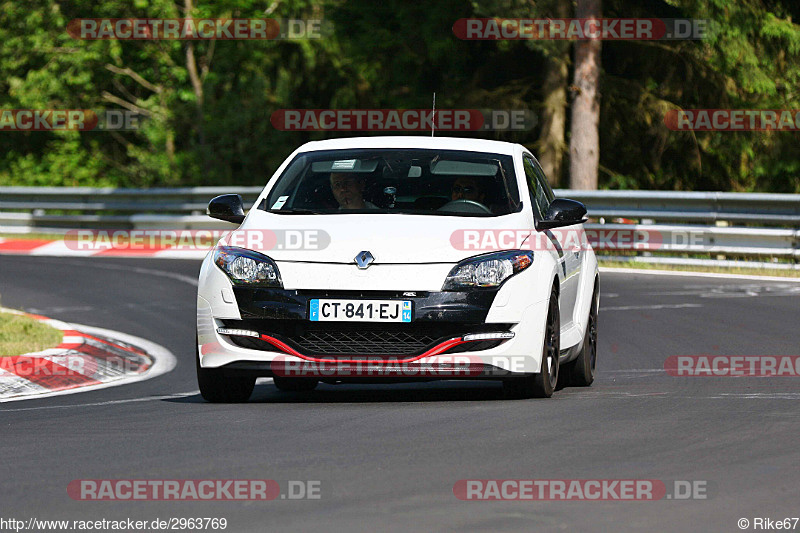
[413, 141]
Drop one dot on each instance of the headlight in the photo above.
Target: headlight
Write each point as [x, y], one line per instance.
[247, 268]
[488, 270]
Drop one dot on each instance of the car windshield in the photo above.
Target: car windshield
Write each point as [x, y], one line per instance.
[426, 182]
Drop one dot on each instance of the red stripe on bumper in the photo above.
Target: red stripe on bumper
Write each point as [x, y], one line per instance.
[436, 350]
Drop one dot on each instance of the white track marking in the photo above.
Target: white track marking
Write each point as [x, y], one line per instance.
[259, 381]
[759, 396]
[59, 249]
[59, 310]
[612, 270]
[623, 394]
[594, 393]
[164, 361]
[634, 371]
[733, 291]
[649, 307]
[181, 254]
[110, 402]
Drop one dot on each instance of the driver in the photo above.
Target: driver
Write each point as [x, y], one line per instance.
[469, 188]
[348, 190]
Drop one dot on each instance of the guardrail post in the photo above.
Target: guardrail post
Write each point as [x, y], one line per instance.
[720, 224]
[646, 222]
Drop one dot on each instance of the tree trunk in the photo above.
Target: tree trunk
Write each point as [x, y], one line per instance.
[197, 83]
[584, 146]
[551, 145]
[554, 118]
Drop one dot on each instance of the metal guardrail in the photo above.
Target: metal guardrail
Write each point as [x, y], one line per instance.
[705, 207]
[762, 209]
[696, 239]
[749, 225]
[60, 208]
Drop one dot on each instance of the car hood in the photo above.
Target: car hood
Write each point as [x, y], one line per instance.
[390, 238]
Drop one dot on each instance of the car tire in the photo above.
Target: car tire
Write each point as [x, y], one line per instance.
[580, 372]
[295, 384]
[543, 384]
[215, 387]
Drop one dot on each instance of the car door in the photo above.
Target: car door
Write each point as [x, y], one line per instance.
[570, 258]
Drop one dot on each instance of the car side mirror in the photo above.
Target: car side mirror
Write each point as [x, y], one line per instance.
[563, 212]
[227, 207]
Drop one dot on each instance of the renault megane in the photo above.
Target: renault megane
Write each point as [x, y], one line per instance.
[431, 258]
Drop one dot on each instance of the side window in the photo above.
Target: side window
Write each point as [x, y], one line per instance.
[538, 194]
[548, 191]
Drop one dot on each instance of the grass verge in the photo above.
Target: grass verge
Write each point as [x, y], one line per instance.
[31, 236]
[20, 334]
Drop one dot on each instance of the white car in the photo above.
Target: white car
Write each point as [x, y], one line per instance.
[388, 259]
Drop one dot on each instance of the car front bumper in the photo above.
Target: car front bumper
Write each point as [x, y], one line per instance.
[442, 319]
[439, 343]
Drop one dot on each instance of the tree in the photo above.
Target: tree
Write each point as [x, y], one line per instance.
[551, 144]
[394, 54]
[584, 149]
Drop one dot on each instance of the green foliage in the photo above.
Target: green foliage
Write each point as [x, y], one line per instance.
[388, 54]
[750, 60]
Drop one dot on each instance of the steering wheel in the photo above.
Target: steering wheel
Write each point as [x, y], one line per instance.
[465, 206]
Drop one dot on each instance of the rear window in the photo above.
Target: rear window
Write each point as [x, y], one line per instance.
[427, 182]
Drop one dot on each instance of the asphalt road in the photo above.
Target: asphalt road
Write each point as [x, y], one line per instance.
[388, 456]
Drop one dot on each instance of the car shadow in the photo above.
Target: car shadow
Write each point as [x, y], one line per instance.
[445, 391]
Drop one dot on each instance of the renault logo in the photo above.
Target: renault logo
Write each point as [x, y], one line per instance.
[364, 259]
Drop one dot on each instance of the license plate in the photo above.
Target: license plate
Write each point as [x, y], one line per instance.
[359, 310]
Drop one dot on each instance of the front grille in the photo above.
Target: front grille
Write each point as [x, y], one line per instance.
[376, 342]
[337, 339]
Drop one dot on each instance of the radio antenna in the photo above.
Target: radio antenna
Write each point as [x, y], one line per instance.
[433, 118]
